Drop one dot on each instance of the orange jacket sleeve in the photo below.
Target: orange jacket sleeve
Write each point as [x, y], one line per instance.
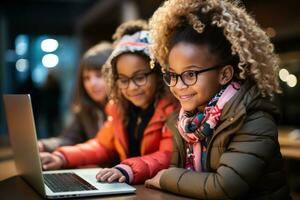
[145, 167]
[95, 151]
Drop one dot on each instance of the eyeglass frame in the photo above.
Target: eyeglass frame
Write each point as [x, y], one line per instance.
[128, 79]
[197, 72]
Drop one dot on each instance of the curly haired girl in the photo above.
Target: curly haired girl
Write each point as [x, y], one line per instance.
[136, 131]
[221, 67]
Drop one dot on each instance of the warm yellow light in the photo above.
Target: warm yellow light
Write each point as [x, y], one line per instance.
[283, 74]
[291, 80]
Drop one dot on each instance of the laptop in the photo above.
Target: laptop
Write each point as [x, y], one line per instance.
[50, 184]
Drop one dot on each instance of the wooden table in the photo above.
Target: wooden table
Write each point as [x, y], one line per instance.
[290, 148]
[13, 187]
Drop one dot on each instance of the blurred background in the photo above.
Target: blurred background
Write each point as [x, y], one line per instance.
[41, 42]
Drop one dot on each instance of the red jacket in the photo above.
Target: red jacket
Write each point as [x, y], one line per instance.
[112, 141]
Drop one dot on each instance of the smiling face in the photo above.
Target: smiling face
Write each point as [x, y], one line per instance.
[94, 85]
[187, 56]
[132, 65]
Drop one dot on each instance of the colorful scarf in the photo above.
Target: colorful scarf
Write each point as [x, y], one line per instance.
[196, 128]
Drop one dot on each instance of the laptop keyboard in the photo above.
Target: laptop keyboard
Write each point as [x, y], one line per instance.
[66, 182]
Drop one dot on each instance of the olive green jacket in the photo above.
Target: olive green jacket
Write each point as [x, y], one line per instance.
[243, 155]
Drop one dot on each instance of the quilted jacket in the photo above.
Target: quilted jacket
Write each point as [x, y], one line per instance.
[111, 143]
[243, 156]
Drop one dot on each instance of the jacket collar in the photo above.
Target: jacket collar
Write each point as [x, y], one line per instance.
[163, 109]
[246, 100]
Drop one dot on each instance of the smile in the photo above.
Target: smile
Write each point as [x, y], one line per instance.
[136, 95]
[97, 91]
[186, 97]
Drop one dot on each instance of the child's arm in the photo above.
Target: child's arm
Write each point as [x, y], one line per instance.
[95, 151]
[51, 161]
[141, 168]
[71, 135]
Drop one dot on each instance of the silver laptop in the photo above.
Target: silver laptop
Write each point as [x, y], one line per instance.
[75, 182]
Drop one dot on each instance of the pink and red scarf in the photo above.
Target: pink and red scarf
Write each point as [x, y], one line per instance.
[196, 128]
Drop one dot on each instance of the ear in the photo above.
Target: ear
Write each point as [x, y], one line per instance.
[226, 74]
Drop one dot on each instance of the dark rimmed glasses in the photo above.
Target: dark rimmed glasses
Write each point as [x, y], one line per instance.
[138, 80]
[188, 77]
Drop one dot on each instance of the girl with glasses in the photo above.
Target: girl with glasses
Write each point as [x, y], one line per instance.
[221, 67]
[136, 132]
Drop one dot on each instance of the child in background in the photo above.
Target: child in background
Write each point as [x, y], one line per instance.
[89, 101]
[136, 131]
[221, 67]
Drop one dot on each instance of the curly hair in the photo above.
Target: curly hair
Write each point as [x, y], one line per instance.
[247, 41]
[110, 69]
[129, 28]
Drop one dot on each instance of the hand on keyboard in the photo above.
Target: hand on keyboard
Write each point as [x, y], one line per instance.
[110, 175]
[51, 161]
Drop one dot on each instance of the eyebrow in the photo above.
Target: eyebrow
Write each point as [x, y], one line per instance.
[189, 67]
[135, 73]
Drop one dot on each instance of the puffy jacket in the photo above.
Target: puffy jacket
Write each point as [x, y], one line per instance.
[243, 156]
[112, 142]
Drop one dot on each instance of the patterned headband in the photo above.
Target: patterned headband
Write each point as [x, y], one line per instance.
[138, 42]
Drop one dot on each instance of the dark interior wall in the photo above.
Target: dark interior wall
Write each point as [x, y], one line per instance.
[96, 20]
[2, 68]
[103, 18]
[281, 15]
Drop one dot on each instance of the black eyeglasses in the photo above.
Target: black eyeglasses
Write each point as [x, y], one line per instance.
[138, 80]
[188, 77]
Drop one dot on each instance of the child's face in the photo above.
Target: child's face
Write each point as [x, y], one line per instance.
[137, 85]
[187, 56]
[94, 85]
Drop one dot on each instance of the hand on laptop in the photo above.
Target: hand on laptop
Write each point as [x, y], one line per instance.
[110, 175]
[41, 146]
[51, 161]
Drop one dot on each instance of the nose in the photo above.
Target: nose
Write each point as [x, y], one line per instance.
[132, 85]
[180, 84]
[93, 80]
